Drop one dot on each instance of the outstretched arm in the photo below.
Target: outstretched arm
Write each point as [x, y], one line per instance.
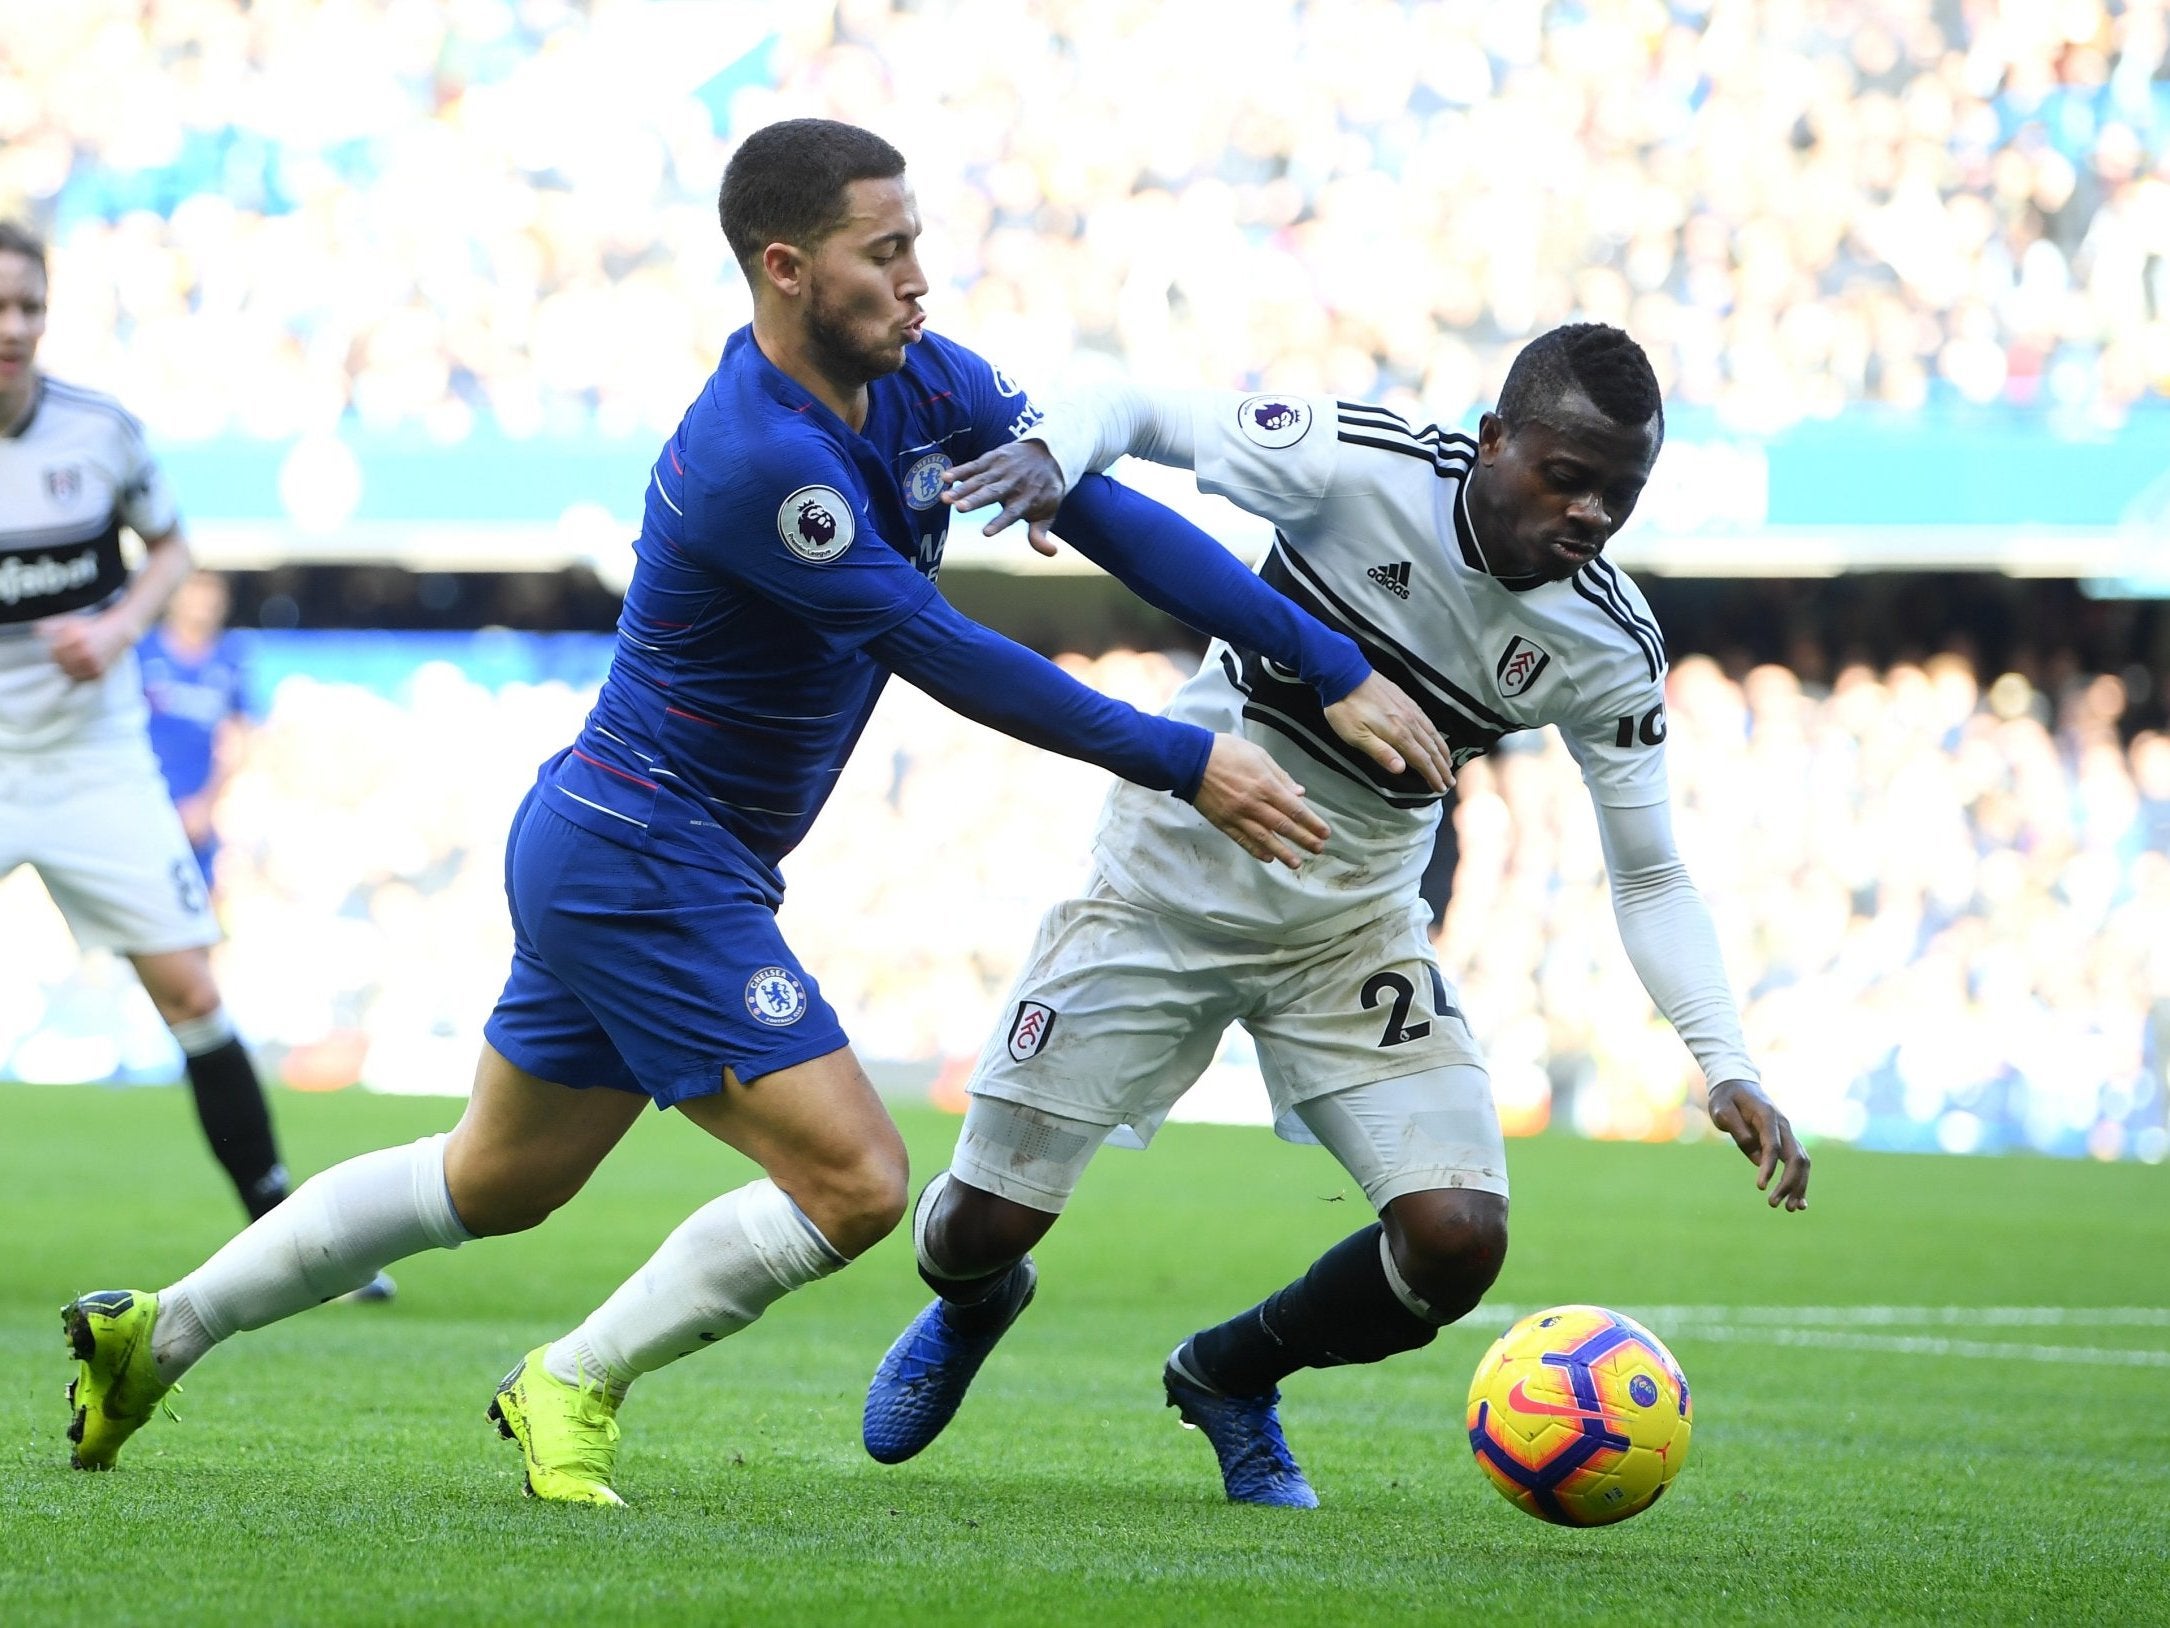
[1674, 949]
[1172, 564]
[821, 557]
[1236, 785]
[1115, 419]
[1083, 435]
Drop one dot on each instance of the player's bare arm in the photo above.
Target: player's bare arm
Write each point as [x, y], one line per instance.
[86, 646]
[1743, 1112]
[1377, 718]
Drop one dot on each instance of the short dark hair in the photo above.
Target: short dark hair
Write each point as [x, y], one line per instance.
[786, 182]
[16, 238]
[1600, 361]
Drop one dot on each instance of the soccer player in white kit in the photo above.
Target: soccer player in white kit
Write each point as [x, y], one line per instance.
[81, 797]
[1472, 573]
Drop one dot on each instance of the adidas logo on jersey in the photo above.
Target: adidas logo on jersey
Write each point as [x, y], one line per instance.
[1393, 578]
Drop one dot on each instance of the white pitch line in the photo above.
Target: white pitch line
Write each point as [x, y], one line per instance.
[1927, 1345]
[1827, 1326]
[1892, 1316]
[1925, 1316]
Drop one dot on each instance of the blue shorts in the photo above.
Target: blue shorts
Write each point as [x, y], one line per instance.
[640, 973]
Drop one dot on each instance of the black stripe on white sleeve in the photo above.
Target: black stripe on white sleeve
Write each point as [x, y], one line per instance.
[1648, 624]
[1596, 593]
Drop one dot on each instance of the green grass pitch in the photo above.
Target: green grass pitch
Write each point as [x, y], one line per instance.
[1937, 1462]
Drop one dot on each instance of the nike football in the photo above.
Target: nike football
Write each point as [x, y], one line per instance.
[1579, 1416]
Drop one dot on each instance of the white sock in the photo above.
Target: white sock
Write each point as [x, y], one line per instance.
[727, 1263]
[195, 1036]
[334, 1234]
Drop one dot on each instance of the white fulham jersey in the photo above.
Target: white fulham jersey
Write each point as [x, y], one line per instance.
[1373, 538]
[71, 476]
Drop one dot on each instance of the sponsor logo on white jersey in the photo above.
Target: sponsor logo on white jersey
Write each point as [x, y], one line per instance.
[1029, 1033]
[1519, 666]
[815, 523]
[1273, 422]
[45, 576]
[1393, 578]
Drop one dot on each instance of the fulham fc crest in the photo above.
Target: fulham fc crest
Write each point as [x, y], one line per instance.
[1029, 1033]
[1519, 666]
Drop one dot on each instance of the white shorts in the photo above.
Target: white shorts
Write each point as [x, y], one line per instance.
[102, 833]
[1120, 1009]
[1416, 1133]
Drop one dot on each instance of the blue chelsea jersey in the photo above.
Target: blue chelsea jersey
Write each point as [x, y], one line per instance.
[189, 697]
[776, 543]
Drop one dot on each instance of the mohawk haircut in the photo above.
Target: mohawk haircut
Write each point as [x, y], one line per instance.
[16, 238]
[786, 182]
[1600, 361]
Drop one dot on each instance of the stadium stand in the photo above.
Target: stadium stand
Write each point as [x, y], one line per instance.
[455, 230]
[274, 217]
[1943, 901]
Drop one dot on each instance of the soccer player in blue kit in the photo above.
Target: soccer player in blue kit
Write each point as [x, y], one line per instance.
[194, 686]
[193, 682]
[785, 567]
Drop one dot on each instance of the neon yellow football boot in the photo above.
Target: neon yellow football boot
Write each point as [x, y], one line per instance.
[568, 1434]
[116, 1389]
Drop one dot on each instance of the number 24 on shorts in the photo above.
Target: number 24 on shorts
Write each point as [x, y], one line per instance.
[1396, 989]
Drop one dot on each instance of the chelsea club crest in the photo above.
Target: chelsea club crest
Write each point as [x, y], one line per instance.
[775, 997]
[923, 481]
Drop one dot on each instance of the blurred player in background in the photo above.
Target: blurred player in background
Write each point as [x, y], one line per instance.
[80, 793]
[195, 684]
[785, 567]
[1472, 572]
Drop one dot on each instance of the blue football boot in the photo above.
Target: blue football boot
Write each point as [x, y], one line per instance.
[1256, 1465]
[921, 1382]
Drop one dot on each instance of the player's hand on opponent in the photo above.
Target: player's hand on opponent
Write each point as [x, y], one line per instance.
[1251, 800]
[1744, 1113]
[1024, 481]
[1385, 725]
[84, 646]
[1022, 477]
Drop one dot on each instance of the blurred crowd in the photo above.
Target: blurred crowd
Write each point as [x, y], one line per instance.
[1947, 910]
[273, 216]
[1947, 906]
[1945, 900]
